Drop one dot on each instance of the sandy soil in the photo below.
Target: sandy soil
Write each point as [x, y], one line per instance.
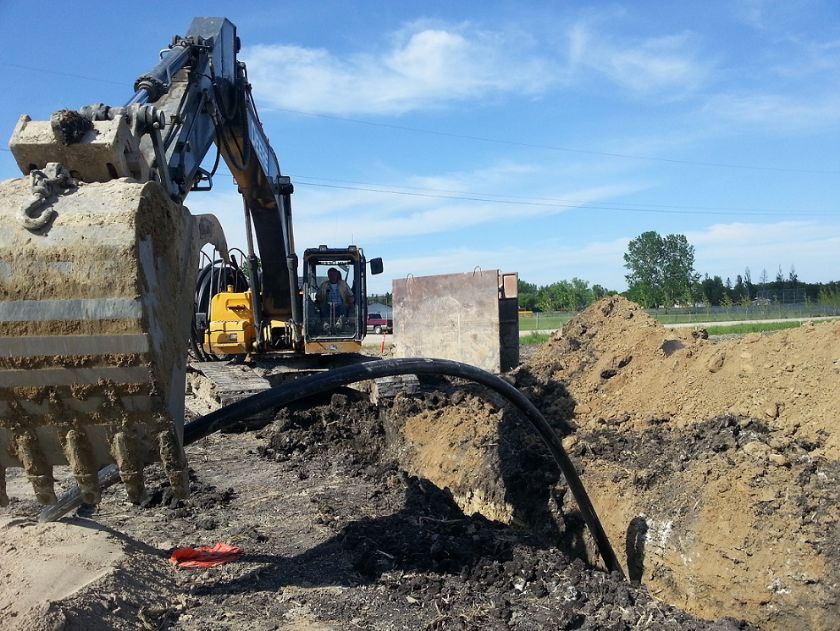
[726, 453]
[713, 466]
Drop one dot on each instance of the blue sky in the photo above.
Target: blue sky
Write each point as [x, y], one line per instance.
[536, 137]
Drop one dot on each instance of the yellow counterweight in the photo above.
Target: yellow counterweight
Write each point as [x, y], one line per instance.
[231, 330]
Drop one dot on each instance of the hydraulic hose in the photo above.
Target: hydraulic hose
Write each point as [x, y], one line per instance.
[324, 382]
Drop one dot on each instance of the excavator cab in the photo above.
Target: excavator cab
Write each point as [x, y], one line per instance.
[334, 296]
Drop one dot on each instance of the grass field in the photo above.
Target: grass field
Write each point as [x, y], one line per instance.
[732, 329]
[724, 316]
[752, 327]
[555, 320]
[534, 338]
[543, 321]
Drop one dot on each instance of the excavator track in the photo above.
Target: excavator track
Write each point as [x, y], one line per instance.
[94, 321]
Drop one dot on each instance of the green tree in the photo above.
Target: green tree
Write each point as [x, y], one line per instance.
[385, 299]
[762, 280]
[661, 269]
[527, 295]
[713, 289]
[599, 292]
[829, 295]
[739, 289]
[581, 293]
[643, 261]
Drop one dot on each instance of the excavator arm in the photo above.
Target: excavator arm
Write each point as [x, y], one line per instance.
[203, 91]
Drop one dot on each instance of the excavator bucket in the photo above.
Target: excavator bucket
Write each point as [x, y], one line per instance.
[96, 283]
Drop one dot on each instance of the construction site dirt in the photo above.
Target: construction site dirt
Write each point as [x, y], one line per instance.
[713, 466]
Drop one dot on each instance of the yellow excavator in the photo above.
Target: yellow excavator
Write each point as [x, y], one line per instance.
[101, 287]
[101, 292]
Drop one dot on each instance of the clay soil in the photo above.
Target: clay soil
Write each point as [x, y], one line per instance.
[713, 466]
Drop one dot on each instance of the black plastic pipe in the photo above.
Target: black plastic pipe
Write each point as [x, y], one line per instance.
[324, 382]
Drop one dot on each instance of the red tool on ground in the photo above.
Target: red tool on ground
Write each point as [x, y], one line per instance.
[205, 556]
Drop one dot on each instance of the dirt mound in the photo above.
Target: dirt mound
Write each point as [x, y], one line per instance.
[345, 425]
[715, 462]
[713, 465]
[623, 368]
[68, 560]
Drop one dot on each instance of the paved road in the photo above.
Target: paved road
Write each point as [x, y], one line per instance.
[703, 325]
[376, 340]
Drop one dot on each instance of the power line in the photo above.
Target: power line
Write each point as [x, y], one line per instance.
[564, 205]
[486, 139]
[61, 73]
[494, 198]
[529, 145]
[545, 202]
[552, 200]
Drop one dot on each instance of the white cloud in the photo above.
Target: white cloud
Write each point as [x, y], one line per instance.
[751, 12]
[426, 66]
[726, 249]
[808, 58]
[423, 67]
[780, 111]
[721, 249]
[669, 66]
[598, 262]
[381, 218]
[374, 220]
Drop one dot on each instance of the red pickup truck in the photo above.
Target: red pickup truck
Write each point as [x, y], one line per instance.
[378, 324]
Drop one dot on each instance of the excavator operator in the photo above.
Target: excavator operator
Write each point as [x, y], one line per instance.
[334, 296]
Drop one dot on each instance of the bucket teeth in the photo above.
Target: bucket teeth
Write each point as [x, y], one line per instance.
[37, 469]
[4, 499]
[94, 321]
[174, 463]
[125, 451]
[79, 456]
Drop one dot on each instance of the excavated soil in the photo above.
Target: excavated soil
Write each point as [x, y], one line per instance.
[336, 536]
[724, 454]
[712, 465]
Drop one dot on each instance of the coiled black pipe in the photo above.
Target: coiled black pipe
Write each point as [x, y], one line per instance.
[338, 377]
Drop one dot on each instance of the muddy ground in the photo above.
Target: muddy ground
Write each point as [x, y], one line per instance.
[441, 510]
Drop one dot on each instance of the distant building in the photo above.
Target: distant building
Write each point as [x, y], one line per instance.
[382, 309]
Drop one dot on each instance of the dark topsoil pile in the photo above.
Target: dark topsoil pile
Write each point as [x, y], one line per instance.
[338, 536]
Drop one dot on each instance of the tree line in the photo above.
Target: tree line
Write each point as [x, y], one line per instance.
[563, 295]
[660, 273]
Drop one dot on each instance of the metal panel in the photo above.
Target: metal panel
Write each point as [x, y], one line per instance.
[509, 321]
[450, 316]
